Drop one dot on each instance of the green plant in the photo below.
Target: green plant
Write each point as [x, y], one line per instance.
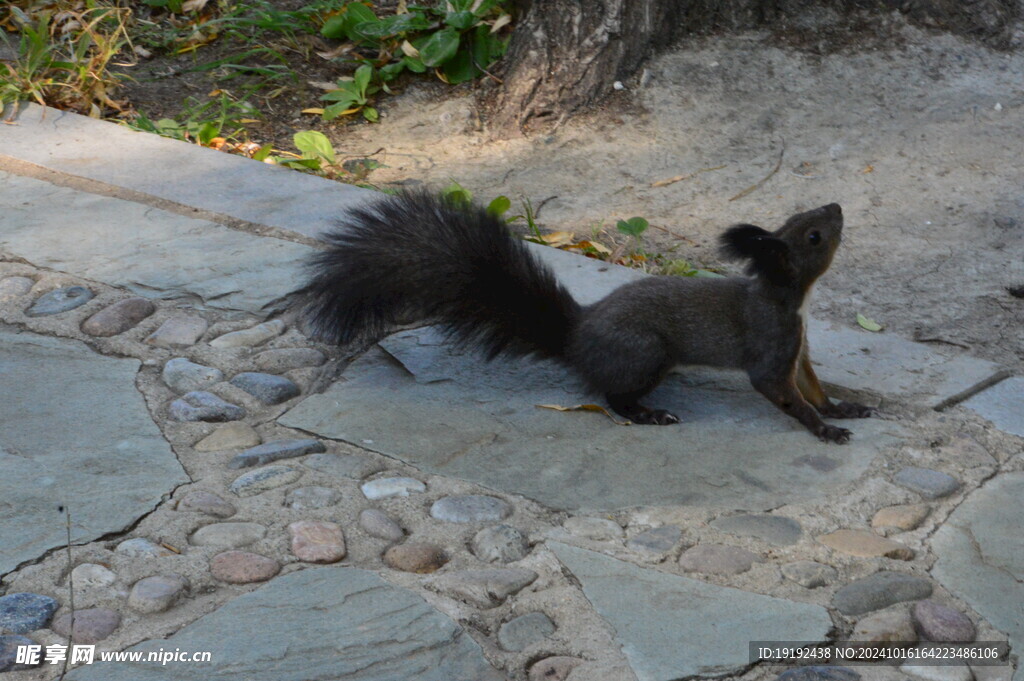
[352, 95]
[222, 118]
[458, 38]
[65, 63]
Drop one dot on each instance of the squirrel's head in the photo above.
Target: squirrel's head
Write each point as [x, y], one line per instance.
[795, 254]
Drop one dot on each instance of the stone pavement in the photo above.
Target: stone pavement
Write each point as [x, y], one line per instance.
[419, 517]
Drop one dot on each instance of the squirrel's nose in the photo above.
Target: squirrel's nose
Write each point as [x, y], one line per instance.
[833, 208]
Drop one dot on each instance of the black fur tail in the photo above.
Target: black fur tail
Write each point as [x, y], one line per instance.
[417, 257]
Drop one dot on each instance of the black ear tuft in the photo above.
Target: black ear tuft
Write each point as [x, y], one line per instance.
[768, 254]
[743, 241]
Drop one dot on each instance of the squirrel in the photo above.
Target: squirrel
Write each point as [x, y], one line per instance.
[415, 257]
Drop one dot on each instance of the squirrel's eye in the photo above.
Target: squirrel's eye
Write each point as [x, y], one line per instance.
[814, 238]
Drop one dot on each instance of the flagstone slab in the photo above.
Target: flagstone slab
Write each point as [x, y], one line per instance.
[979, 557]
[176, 171]
[672, 627]
[151, 252]
[61, 445]
[1003, 405]
[315, 625]
[463, 417]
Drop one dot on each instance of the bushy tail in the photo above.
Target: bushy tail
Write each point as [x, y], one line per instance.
[415, 257]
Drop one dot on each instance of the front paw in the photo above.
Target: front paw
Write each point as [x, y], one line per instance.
[829, 433]
[847, 410]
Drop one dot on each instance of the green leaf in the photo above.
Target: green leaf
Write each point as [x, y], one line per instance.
[263, 152]
[393, 25]
[460, 68]
[457, 194]
[414, 64]
[362, 78]
[868, 324]
[314, 144]
[391, 71]
[499, 206]
[440, 47]
[634, 226]
[207, 131]
[340, 95]
[370, 114]
[343, 24]
[485, 7]
[335, 27]
[708, 274]
[335, 110]
[460, 21]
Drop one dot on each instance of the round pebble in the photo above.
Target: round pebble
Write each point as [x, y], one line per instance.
[878, 591]
[864, 544]
[376, 523]
[597, 529]
[9, 645]
[555, 668]
[809, 574]
[249, 337]
[262, 479]
[657, 541]
[717, 559]
[303, 498]
[140, 547]
[269, 452]
[178, 331]
[819, 673]
[91, 625]
[353, 466]
[384, 488]
[183, 376]
[156, 594]
[59, 300]
[926, 482]
[234, 435]
[774, 529]
[500, 544]
[885, 628]
[316, 541]
[21, 613]
[280, 360]
[267, 388]
[932, 672]
[904, 517]
[936, 622]
[470, 508]
[415, 557]
[119, 317]
[523, 631]
[92, 576]
[231, 535]
[12, 287]
[206, 502]
[200, 405]
[242, 567]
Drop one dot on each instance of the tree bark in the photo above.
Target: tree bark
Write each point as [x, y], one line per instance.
[567, 54]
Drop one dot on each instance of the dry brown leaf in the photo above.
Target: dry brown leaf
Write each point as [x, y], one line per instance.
[409, 51]
[558, 239]
[336, 52]
[501, 22]
[868, 169]
[587, 407]
[193, 5]
[313, 111]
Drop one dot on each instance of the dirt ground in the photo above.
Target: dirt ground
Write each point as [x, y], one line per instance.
[920, 141]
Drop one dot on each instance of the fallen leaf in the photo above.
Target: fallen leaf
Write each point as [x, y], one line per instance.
[323, 85]
[868, 324]
[193, 5]
[336, 52]
[868, 169]
[313, 111]
[501, 22]
[409, 51]
[587, 407]
[558, 239]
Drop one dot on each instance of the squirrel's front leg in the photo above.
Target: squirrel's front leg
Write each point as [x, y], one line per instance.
[784, 394]
[810, 388]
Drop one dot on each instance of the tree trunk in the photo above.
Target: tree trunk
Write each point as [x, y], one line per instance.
[567, 54]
